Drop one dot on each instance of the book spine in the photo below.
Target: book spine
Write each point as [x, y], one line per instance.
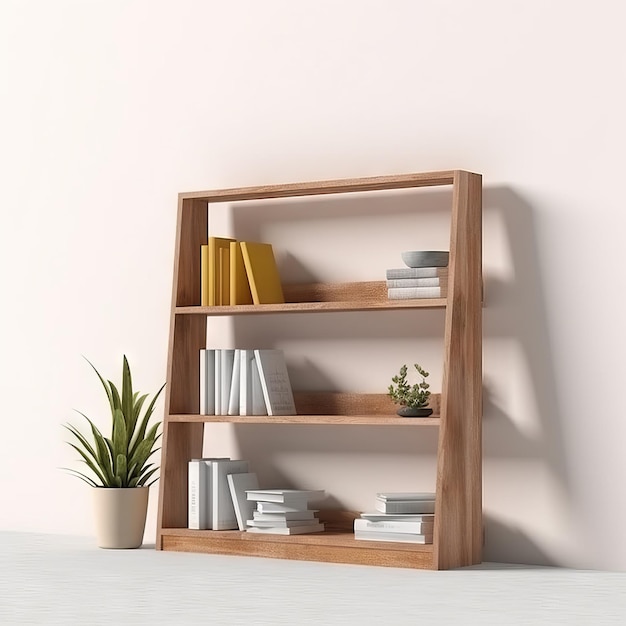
[414, 282]
[239, 286]
[367, 535]
[207, 382]
[399, 293]
[204, 275]
[226, 377]
[197, 486]
[416, 272]
[245, 382]
[419, 528]
[423, 506]
[217, 386]
[233, 400]
[224, 276]
[259, 407]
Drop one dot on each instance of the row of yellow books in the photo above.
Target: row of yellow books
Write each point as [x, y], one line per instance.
[239, 272]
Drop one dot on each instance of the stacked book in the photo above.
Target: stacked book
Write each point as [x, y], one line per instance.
[284, 511]
[406, 283]
[407, 517]
[244, 382]
[238, 272]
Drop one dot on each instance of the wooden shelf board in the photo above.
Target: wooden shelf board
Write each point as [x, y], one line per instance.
[337, 420]
[344, 185]
[311, 307]
[328, 546]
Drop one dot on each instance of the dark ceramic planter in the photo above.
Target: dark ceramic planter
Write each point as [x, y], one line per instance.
[406, 411]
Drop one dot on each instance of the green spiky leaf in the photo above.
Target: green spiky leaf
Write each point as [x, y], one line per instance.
[121, 459]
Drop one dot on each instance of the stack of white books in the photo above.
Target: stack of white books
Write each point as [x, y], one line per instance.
[284, 511]
[405, 283]
[402, 516]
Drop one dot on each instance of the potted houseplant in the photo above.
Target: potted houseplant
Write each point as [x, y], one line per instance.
[413, 399]
[119, 464]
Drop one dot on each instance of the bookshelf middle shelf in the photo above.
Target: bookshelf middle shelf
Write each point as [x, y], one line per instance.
[329, 408]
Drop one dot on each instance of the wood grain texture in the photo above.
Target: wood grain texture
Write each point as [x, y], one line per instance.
[328, 547]
[312, 307]
[329, 407]
[458, 515]
[344, 185]
[182, 441]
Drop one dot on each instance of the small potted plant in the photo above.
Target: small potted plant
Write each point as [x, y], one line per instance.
[120, 467]
[413, 399]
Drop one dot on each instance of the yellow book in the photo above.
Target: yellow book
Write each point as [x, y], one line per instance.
[239, 286]
[204, 275]
[218, 271]
[262, 273]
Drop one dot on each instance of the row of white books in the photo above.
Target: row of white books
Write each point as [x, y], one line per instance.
[406, 517]
[224, 495]
[244, 382]
[406, 283]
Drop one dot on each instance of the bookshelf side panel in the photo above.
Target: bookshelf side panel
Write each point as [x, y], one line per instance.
[458, 519]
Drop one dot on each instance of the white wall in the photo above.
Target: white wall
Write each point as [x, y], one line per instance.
[108, 109]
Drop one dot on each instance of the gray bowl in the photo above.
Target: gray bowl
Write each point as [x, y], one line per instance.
[426, 258]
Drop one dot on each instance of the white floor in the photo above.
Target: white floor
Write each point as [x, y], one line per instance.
[49, 579]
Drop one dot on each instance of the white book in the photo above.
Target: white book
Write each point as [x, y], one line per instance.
[415, 282]
[275, 382]
[217, 385]
[296, 530]
[258, 400]
[277, 507]
[199, 494]
[223, 515]
[285, 516]
[392, 496]
[227, 358]
[244, 508]
[410, 293]
[207, 382]
[260, 523]
[368, 535]
[416, 272]
[408, 517]
[398, 526]
[245, 382]
[406, 506]
[285, 496]
[251, 398]
[233, 400]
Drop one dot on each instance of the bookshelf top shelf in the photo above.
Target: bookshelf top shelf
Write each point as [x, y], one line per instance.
[342, 185]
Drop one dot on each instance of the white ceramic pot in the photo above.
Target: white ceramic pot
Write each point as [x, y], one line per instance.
[120, 516]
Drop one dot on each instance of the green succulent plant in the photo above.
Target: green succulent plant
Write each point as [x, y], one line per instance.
[413, 396]
[122, 459]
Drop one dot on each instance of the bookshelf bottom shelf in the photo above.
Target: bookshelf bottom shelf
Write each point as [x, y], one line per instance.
[329, 546]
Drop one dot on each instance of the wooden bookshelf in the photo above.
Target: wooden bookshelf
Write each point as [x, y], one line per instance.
[457, 410]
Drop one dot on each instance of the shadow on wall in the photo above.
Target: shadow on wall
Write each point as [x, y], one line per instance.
[505, 543]
[517, 310]
[514, 310]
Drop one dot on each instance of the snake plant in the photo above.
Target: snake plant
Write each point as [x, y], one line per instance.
[122, 459]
